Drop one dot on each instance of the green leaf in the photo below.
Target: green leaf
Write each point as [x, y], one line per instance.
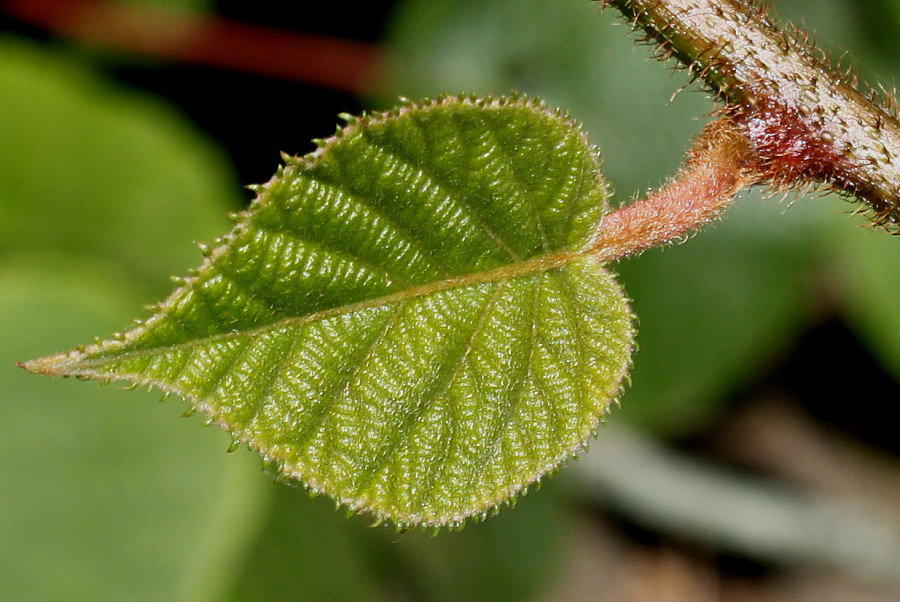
[108, 490]
[865, 264]
[715, 312]
[407, 319]
[302, 553]
[513, 557]
[97, 170]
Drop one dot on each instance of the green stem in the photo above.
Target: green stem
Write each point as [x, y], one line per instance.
[806, 122]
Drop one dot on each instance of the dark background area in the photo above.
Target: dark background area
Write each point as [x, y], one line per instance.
[827, 374]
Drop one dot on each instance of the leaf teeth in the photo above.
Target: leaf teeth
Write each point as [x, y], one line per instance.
[377, 522]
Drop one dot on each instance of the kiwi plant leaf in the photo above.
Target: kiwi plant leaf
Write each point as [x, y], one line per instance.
[408, 318]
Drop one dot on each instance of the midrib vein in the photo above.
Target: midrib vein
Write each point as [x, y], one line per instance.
[57, 364]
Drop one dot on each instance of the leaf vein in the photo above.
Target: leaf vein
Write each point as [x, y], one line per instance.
[449, 193]
[330, 250]
[338, 389]
[527, 198]
[527, 267]
[505, 418]
[438, 386]
[576, 328]
[430, 255]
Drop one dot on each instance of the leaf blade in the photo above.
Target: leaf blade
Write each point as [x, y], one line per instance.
[374, 389]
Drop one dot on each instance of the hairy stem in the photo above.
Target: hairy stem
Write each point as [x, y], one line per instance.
[719, 165]
[806, 122]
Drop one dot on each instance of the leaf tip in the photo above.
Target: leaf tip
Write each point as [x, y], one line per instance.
[48, 366]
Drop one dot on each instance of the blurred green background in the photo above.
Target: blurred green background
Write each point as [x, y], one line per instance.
[769, 345]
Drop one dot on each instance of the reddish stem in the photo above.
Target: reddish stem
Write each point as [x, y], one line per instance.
[719, 166]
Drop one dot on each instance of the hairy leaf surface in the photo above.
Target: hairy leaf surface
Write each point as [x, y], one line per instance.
[406, 319]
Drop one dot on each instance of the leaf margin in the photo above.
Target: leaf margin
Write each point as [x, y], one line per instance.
[63, 364]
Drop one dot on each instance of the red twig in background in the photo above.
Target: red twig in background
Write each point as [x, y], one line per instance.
[207, 40]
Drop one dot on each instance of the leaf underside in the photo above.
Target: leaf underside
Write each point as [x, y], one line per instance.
[406, 319]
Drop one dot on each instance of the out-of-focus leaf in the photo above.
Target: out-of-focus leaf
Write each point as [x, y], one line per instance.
[714, 310]
[509, 557]
[106, 494]
[306, 552]
[91, 169]
[408, 319]
[867, 269]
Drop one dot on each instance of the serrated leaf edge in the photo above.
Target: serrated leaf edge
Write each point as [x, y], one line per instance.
[56, 365]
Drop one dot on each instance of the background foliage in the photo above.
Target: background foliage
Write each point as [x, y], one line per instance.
[112, 164]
